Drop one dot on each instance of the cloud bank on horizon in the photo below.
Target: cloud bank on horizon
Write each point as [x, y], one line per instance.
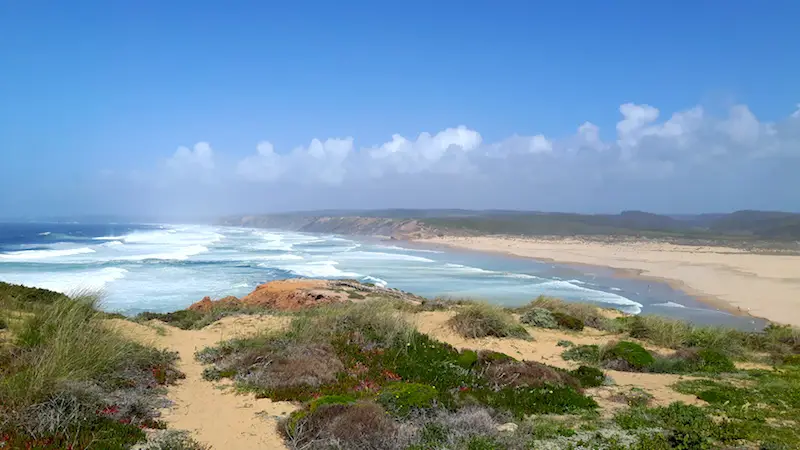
[691, 161]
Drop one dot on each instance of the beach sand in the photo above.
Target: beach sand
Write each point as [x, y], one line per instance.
[762, 285]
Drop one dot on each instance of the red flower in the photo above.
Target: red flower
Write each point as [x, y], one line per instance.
[391, 375]
[463, 389]
[109, 410]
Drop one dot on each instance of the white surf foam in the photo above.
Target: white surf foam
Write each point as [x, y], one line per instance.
[32, 255]
[625, 304]
[616, 289]
[46, 233]
[177, 255]
[384, 256]
[374, 280]
[576, 282]
[523, 276]
[419, 250]
[69, 282]
[319, 269]
[282, 257]
[670, 305]
[469, 269]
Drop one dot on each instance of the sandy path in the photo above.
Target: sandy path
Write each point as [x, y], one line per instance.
[212, 411]
[763, 285]
[544, 348]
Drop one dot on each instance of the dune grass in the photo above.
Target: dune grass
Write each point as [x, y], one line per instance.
[68, 379]
[484, 320]
[589, 315]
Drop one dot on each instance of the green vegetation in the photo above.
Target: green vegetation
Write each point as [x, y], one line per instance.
[369, 362]
[568, 322]
[628, 355]
[539, 317]
[67, 379]
[632, 357]
[681, 426]
[402, 398]
[587, 315]
[589, 376]
[190, 319]
[763, 404]
[483, 320]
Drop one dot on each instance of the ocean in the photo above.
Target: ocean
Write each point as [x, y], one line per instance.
[158, 267]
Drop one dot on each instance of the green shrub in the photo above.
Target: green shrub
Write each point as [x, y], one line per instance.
[631, 353]
[590, 315]
[539, 317]
[467, 358]
[584, 353]
[483, 320]
[3, 323]
[568, 322]
[564, 343]
[792, 360]
[16, 295]
[403, 398]
[713, 361]
[589, 376]
[330, 400]
[635, 397]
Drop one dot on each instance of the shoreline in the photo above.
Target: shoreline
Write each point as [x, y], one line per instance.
[693, 270]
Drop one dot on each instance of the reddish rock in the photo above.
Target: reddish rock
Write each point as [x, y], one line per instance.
[206, 304]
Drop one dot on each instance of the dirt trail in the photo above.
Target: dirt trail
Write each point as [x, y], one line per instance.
[212, 411]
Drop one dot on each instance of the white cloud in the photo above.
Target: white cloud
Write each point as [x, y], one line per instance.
[201, 157]
[642, 150]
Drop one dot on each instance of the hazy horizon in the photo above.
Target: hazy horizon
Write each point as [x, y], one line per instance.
[182, 110]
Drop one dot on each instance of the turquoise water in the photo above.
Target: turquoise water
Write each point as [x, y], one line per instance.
[168, 267]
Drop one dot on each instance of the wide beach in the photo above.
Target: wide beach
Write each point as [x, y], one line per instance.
[762, 285]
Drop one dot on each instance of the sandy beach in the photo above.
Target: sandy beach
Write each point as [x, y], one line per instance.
[766, 286]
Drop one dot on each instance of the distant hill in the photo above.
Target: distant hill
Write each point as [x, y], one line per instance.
[740, 225]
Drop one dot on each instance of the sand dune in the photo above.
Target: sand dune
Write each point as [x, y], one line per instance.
[762, 285]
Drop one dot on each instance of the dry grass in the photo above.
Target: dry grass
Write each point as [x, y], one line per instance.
[590, 315]
[483, 320]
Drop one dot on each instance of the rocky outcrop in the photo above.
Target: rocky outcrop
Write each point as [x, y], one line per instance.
[295, 294]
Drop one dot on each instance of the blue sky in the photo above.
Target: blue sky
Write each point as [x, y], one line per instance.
[96, 98]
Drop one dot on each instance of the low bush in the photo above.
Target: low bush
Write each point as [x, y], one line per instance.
[539, 317]
[403, 398]
[483, 320]
[354, 425]
[568, 322]
[590, 315]
[626, 355]
[588, 376]
[584, 353]
[686, 427]
[171, 440]
[634, 397]
[527, 374]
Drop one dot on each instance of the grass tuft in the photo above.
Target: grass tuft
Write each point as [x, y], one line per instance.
[484, 320]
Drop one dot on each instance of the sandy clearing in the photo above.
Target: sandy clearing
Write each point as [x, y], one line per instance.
[762, 285]
[213, 412]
